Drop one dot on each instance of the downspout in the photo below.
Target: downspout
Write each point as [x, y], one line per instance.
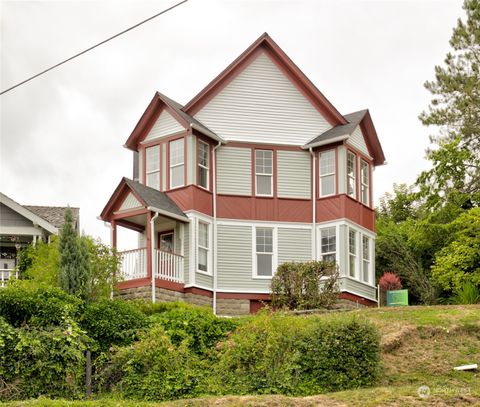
[314, 200]
[214, 185]
[152, 252]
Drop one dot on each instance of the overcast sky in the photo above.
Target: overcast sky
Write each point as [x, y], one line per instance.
[62, 134]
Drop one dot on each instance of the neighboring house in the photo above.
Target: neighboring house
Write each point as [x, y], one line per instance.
[21, 225]
[222, 189]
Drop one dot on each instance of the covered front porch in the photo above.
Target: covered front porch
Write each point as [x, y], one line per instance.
[158, 260]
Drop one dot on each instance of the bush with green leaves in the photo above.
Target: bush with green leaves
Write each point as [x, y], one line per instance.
[113, 322]
[292, 355]
[195, 326]
[308, 285]
[24, 302]
[153, 369]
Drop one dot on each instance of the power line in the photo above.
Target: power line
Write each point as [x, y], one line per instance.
[94, 46]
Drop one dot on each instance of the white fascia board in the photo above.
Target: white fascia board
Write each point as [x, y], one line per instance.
[168, 214]
[27, 214]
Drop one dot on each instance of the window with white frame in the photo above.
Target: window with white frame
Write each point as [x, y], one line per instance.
[264, 172]
[203, 246]
[152, 166]
[328, 243]
[177, 163]
[351, 175]
[264, 251]
[366, 258]
[327, 173]
[203, 164]
[352, 252]
[365, 178]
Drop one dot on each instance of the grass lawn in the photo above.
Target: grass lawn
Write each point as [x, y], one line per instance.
[420, 347]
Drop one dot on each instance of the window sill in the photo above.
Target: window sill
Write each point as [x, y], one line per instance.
[205, 273]
[262, 277]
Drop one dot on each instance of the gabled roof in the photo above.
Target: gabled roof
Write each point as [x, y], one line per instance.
[158, 102]
[265, 42]
[343, 133]
[152, 199]
[54, 214]
[32, 213]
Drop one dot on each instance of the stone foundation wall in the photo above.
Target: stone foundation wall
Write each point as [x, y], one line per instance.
[164, 295]
[232, 307]
[144, 293]
[200, 300]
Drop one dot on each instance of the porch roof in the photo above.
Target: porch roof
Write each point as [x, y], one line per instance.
[150, 198]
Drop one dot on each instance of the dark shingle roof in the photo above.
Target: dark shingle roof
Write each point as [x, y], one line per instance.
[54, 214]
[192, 121]
[154, 198]
[338, 131]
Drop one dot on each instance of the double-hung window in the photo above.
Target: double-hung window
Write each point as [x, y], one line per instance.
[352, 252]
[351, 175]
[327, 173]
[177, 163]
[366, 258]
[203, 164]
[365, 178]
[328, 244]
[264, 172]
[264, 251]
[152, 166]
[203, 246]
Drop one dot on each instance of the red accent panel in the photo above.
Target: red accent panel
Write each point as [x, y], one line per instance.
[168, 285]
[256, 306]
[330, 208]
[356, 298]
[234, 207]
[199, 291]
[359, 213]
[192, 197]
[295, 210]
[141, 282]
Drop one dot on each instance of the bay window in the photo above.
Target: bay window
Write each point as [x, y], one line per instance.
[328, 244]
[366, 258]
[203, 164]
[264, 172]
[365, 178]
[203, 246]
[352, 252]
[351, 175]
[264, 251]
[152, 167]
[327, 173]
[177, 163]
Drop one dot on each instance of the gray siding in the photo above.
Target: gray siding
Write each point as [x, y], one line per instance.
[294, 245]
[294, 174]
[262, 104]
[234, 171]
[164, 126]
[8, 217]
[204, 280]
[358, 288]
[358, 141]
[235, 260]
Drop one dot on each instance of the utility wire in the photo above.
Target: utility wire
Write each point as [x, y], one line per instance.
[94, 46]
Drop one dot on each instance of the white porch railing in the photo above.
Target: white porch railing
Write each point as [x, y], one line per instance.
[133, 264]
[168, 266]
[5, 275]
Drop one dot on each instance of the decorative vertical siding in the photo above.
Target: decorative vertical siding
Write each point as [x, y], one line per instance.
[163, 171]
[235, 260]
[357, 141]
[262, 104]
[342, 169]
[234, 171]
[191, 160]
[130, 202]
[164, 126]
[294, 245]
[294, 174]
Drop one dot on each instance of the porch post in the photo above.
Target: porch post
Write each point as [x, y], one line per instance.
[113, 234]
[149, 245]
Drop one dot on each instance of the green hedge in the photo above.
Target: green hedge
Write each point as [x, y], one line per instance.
[26, 303]
[293, 355]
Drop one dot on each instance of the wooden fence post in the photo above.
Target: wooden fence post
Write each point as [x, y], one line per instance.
[88, 373]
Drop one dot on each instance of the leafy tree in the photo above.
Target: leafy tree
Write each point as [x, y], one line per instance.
[400, 205]
[458, 263]
[455, 108]
[74, 270]
[40, 262]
